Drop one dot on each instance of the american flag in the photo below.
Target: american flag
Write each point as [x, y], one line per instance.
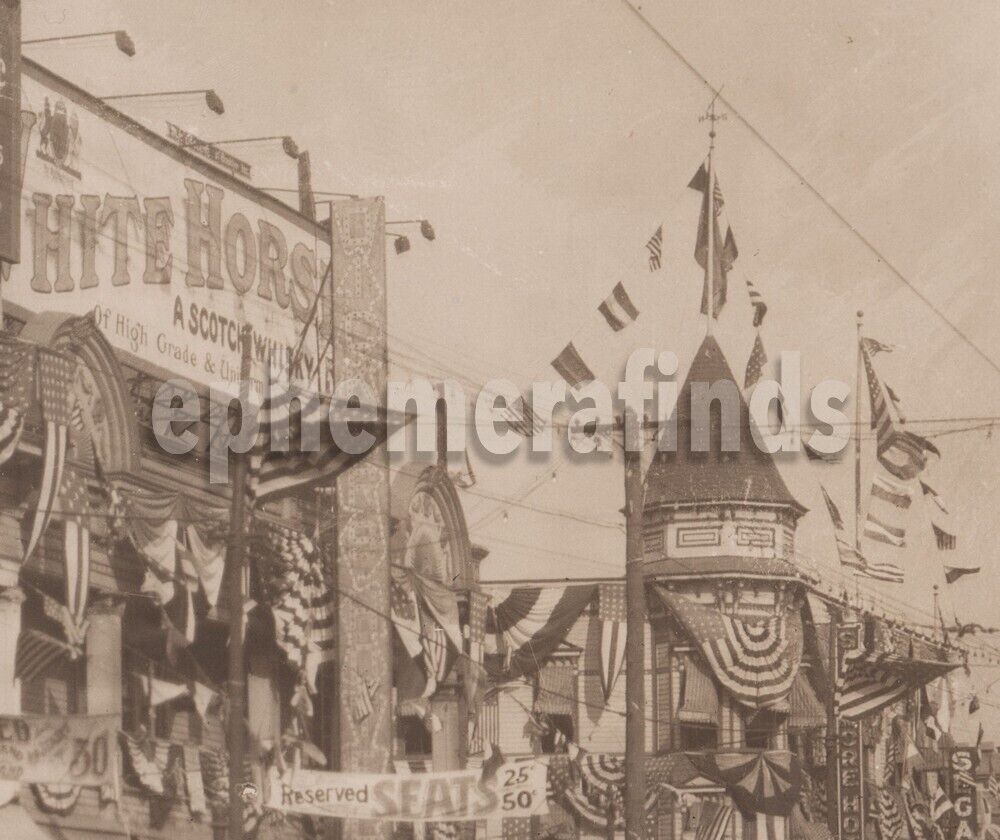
[517, 828]
[16, 379]
[521, 418]
[755, 364]
[892, 491]
[890, 821]
[74, 504]
[612, 614]
[655, 248]
[55, 372]
[478, 603]
[993, 786]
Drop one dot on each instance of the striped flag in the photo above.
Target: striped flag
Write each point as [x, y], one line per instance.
[724, 251]
[945, 541]
[755, 364]
[892, 491]
[54, 374]
[713, 821]
[569, 364]
[17, 370]
[993, 786]
[655, 248]
[890, 821]
[618, 309]
[757, 302]
[941, 805]
[849, 555]
[902, 453]
[886, 572]
[883, 532]
[873, 682]
[873, 346]
[36, 651]
[612, 615]
[74, 505]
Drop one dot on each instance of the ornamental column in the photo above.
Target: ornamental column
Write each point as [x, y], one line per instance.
[104, 658]
[11, 600]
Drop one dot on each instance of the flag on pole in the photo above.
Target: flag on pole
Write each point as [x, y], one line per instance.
[569, 364]
[755, 364]
[757, 302]
[873, 346]
[54, 375]
[724, 251]
[849, 555]
[953, 573]
[876, 529]
[945, 541]
[655, 248]
[941, 805]
[618, 309]
[612, 615]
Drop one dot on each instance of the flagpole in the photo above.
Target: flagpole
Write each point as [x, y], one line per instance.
[857, 453]
[710, 226]
[234, 570]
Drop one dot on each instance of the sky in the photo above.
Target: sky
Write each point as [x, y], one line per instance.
[546, 142]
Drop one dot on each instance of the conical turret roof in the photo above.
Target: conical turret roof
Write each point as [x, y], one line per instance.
[684, 477]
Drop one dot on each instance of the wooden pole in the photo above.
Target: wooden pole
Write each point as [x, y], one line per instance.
[709, 204]
[832, 733]
[635, 664]
[235, 550]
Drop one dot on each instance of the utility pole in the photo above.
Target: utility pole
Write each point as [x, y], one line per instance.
[635, 659]
[832, 730]
[235, 593]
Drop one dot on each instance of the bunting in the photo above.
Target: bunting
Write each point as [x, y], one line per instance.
[760, 782]
[612, 615]
[756, 660]
[873, 681]
[890, 821]
[713, 821]
[74, 504]
[527, 623]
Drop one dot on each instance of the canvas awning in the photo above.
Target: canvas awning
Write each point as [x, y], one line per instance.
[805, 710]
[699, 697]
[15, 822]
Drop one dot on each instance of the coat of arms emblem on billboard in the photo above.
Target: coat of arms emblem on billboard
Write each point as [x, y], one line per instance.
[59, 138]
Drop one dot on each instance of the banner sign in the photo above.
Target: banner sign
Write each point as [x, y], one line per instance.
[170, 254]
[962, 763]
[517, 790]
[848, 752]
[58, 749]
[10, 129]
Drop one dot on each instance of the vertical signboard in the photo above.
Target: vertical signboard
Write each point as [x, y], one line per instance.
[362, 499]
[849, 752]
[10, 130]
[962, 764]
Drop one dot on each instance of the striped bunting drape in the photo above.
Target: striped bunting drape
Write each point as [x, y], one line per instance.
[36, 651]
[768, 782]
[890, 821]
[527, 623]
[713, 821]
[755, 660]
[873, 682]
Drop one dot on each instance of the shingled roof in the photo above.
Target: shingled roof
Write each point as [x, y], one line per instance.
[685, 477]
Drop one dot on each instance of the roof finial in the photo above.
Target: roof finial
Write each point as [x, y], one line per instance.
[712, 118]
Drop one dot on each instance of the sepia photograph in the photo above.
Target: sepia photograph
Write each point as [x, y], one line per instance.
[499, 420]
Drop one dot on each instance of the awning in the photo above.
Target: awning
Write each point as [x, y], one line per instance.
[16, 823]
[699, 697]
[805, 709]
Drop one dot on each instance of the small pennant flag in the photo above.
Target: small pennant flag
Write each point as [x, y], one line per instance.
[837, 519]
[892, 491]
[755, 364]
[569, 364]
[945, 541]
[953, 573]
[974, 705]
[757, 302]
[934, 496]
[618, 309]
[655, 248]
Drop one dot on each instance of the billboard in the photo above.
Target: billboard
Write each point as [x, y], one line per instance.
[171, 255]
[10, 128]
